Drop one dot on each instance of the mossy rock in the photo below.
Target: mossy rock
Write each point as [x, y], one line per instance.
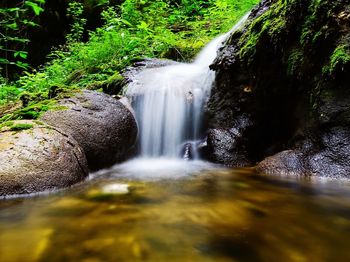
[36, 104]
[112, 86]
[103, 126]
[35, 157]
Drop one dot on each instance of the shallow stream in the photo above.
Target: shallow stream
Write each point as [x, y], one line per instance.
[202, 214]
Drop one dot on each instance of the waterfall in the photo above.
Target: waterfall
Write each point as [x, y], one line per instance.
[168, 102]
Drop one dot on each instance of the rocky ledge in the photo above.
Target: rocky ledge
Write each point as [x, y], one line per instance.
[282, 91]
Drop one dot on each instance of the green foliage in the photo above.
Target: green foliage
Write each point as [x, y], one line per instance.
[16, 18]
[33, 111]
[8, 93]
[133, 30]
[75, 12]
[339, 59]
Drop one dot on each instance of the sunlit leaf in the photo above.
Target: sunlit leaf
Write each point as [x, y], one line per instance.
[35, 7]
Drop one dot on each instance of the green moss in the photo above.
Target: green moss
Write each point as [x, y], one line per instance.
[112, 86]
[18, 127]
[33, 111]
[295, 62]
[339, 59]
[38, 122]
[271, 24]
[8, 123]
[248, 50]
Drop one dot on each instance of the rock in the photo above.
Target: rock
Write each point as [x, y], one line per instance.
[222, 148]
[328, 158]
[226, 146]
[131, 72]
[285, 163]
[35, 157]
[187, 151]
[103, 127]
[297, 101]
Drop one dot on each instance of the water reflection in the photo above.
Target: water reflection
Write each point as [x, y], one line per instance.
[220, 215]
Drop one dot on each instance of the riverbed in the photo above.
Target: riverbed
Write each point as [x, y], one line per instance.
[209, 214]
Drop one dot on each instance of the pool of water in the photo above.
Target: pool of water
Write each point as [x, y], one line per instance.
[208, 214]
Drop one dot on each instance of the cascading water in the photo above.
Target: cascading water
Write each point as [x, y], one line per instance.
[169, 101]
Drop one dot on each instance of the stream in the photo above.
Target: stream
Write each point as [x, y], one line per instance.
[212, 214]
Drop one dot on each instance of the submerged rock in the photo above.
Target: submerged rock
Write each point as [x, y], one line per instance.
[35, 157]
[103, 126]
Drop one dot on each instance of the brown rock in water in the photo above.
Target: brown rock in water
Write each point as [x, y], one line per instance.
[35, 157]
[103, 126]
[328, 158]
[285, 163]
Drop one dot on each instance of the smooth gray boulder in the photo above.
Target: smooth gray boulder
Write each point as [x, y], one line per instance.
[35, 157]
[103, 126]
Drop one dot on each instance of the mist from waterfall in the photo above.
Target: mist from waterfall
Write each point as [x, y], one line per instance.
[168, 102]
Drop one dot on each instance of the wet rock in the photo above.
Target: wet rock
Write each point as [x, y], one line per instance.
[285, 163]
[147, 63]
[297, 101]
[226, 146]
[35, 157]
[222, 148]
[329, 157]
[187, 151]
[103, 126]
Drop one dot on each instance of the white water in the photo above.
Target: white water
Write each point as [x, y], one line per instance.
[168, 102]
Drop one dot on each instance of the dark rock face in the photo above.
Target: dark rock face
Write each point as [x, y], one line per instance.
[288, 72]
[227, 146]
[329, 158]
[37, 159]
[103, 126]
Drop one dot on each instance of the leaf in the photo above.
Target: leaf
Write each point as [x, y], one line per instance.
[12, 26]
[4, 61]
[7, 10]
[36, 8]
[126, 22]
[22, 65]
[22, 54]
[16, 39]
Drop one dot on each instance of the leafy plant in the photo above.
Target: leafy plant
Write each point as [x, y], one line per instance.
[75, 12]
[16, 18]
[175, 29]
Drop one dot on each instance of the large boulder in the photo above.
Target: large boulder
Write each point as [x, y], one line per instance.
[103, 126]
[287, 71]
[35, 157]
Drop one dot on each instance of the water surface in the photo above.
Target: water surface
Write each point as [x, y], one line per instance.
[212, 215]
